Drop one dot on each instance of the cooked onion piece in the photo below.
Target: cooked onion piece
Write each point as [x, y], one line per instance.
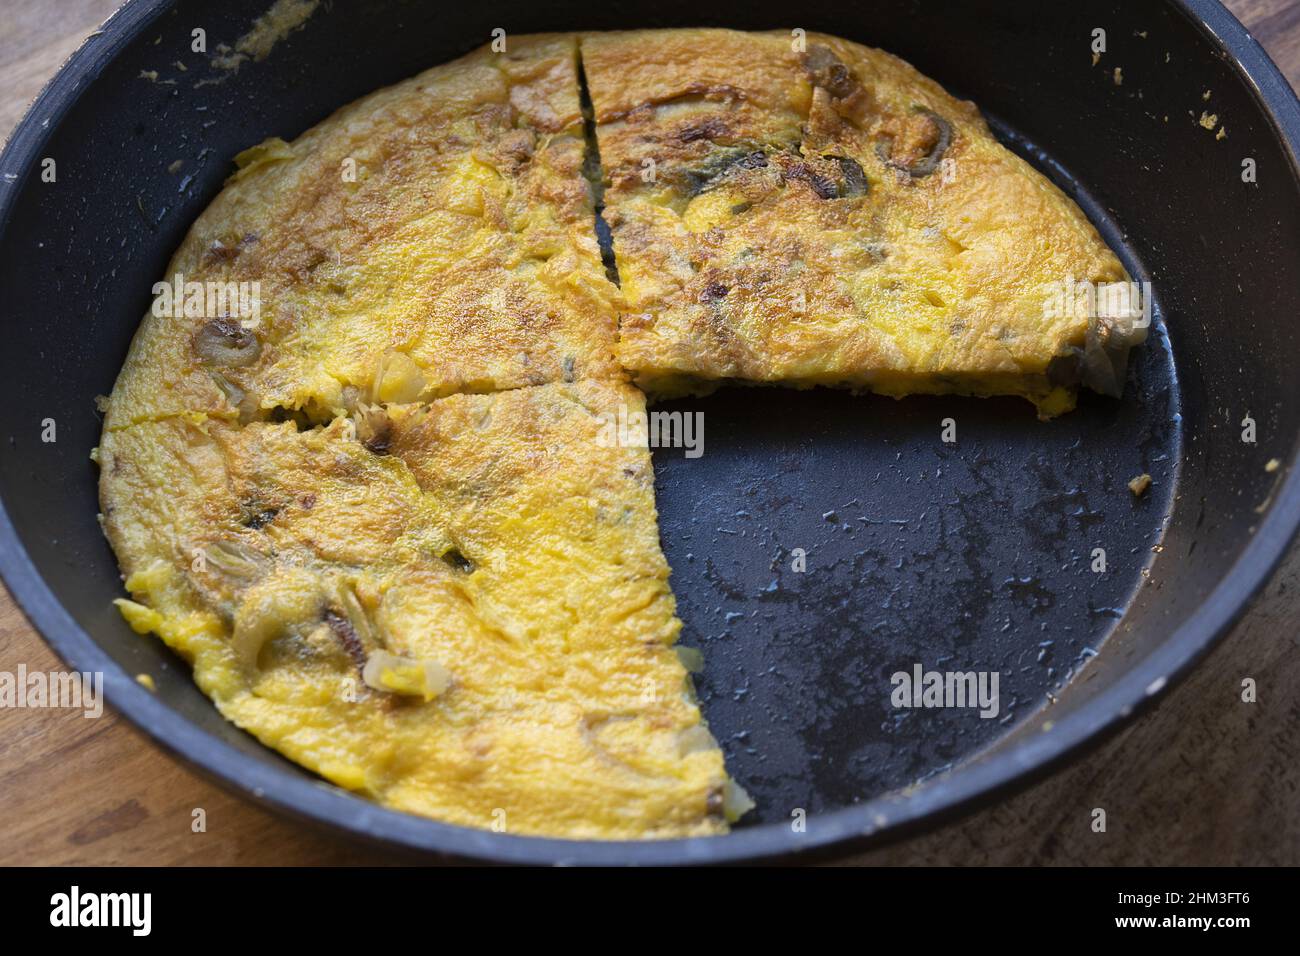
[405, 676]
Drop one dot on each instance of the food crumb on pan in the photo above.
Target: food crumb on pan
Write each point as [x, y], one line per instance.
[282, 19]
[1139, 485]
[1209, 120]
[146, 681]
[1273, 465]
[1119, 76]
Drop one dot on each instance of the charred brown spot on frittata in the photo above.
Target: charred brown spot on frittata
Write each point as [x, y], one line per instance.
[225, 343]
[914, 144]
[838, 95]
[802, 171]
[854, 179]
[301, 418]
[223, 251]
[715, 802]
[515, 148]
[829, 177]
[456, 559]
[374, 429]
[829, 72]
[714, 292]
[755, 173]
[257, 516]
[716, 168]
[347, 636]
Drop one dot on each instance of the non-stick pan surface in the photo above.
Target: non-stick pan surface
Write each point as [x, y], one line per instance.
[973, 555]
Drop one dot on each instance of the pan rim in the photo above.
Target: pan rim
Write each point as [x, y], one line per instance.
[873, 823]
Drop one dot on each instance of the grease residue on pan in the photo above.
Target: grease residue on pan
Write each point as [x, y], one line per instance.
[977, 555]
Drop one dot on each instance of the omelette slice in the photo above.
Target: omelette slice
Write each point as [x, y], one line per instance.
[457, 608]
[808, 211]
[431, 238]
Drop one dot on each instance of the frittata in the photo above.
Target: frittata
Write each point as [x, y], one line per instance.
[809, 211]
[459, 608]
[371, 495]
[431, 238]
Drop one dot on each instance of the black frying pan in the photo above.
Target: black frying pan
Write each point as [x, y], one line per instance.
[976, 555]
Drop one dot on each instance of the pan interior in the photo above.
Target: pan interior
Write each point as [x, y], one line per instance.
[999, 526]
[977, 555]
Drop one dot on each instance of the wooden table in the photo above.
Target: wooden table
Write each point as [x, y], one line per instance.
[1202, 779]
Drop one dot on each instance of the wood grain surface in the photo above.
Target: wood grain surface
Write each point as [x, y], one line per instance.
[1204, 778]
